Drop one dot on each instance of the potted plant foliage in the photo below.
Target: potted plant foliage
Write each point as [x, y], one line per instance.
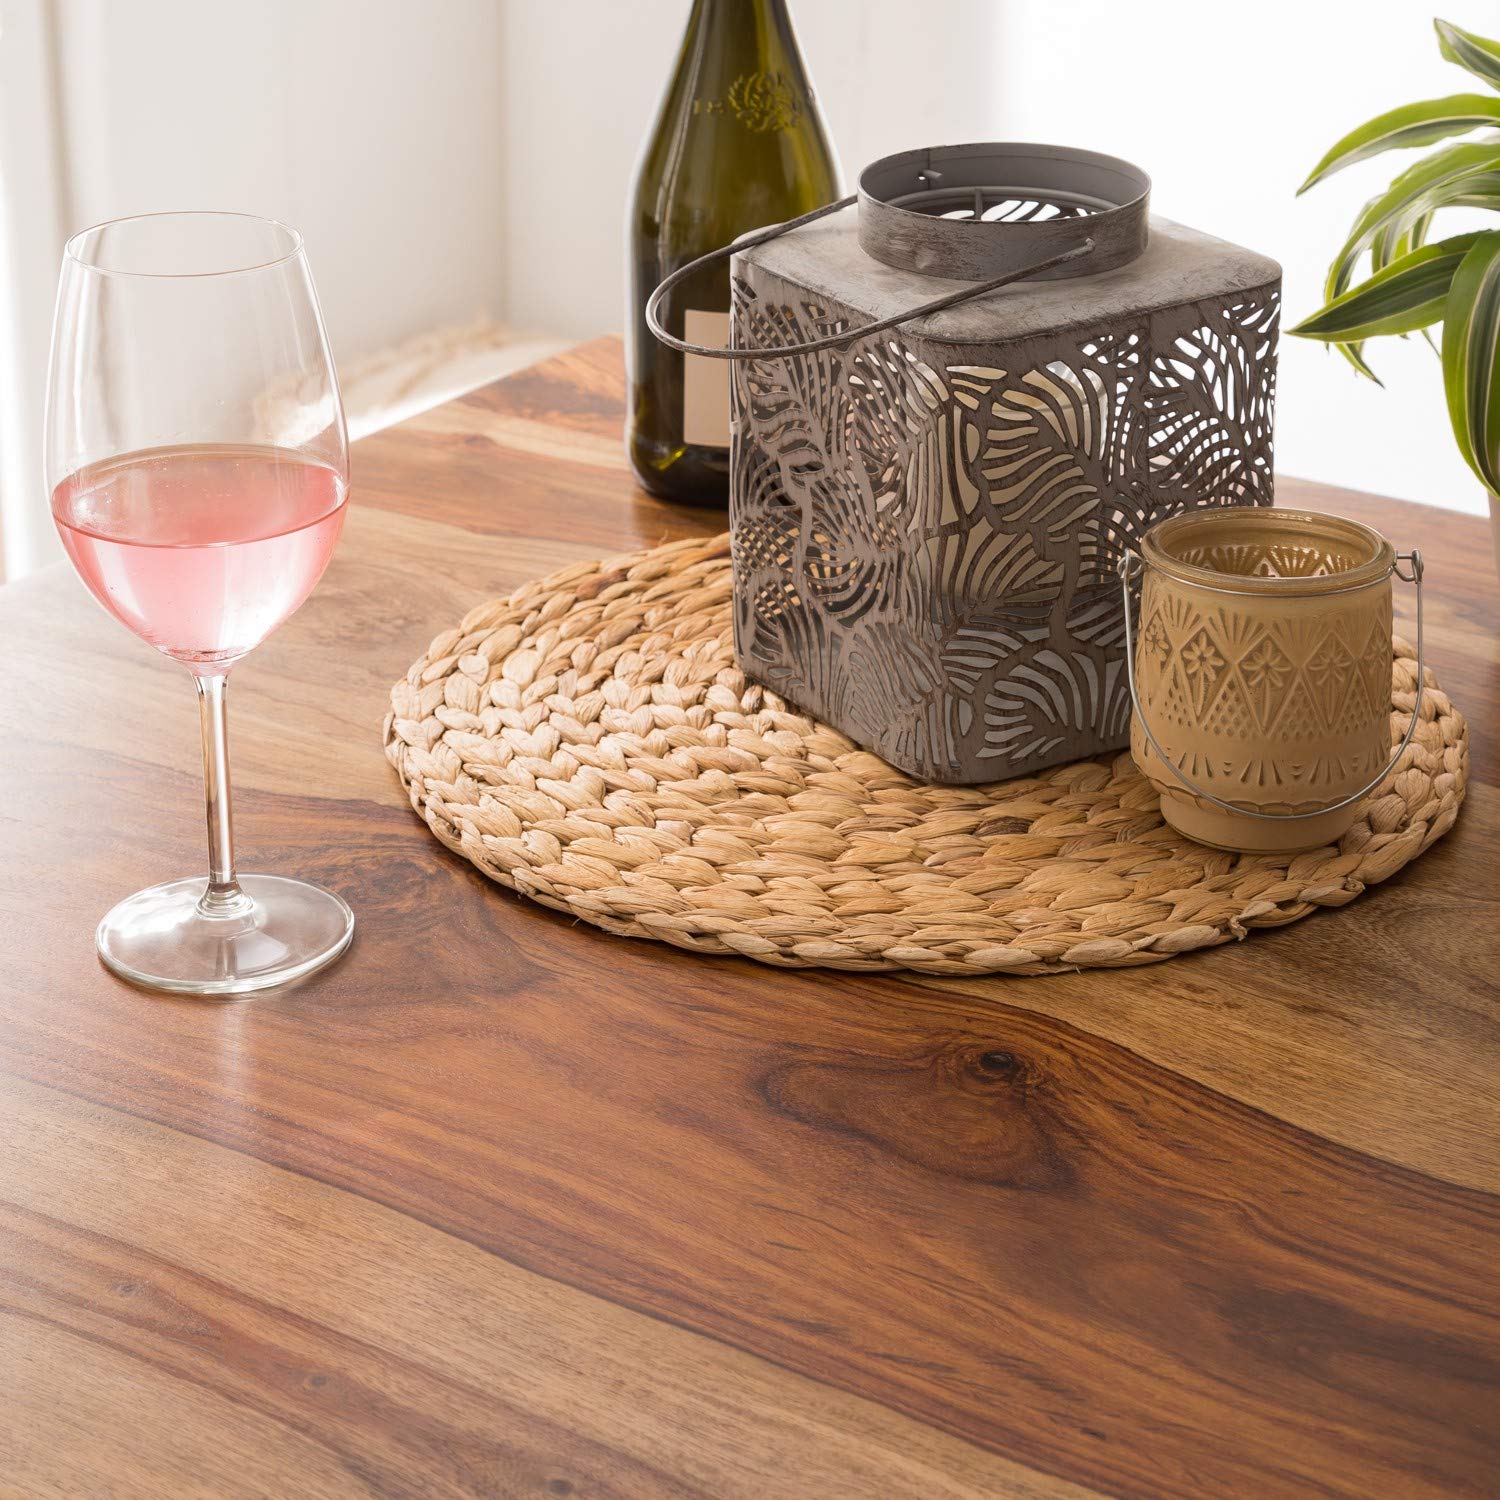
[1413, 282]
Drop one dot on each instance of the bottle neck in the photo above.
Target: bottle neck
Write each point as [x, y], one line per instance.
[729, 38]
[740, 62]
[742, 23]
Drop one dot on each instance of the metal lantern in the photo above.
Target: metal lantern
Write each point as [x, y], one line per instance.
[954, 408]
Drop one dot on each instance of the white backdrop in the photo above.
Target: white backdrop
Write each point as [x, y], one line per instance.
[374, 126]
[461, 157]
[582, 81]
[1228, 107]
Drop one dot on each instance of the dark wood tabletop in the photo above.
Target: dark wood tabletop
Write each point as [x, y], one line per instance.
[501, 1205]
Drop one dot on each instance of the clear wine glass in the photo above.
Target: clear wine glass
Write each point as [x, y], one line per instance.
[199, 467]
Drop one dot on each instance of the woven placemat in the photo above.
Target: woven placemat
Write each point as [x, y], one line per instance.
[590, 742]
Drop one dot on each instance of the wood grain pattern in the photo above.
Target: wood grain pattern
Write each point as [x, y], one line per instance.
[347, 1374]
[504, 1206]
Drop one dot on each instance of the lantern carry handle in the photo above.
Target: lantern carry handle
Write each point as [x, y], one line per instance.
[832, 340]
[1414, 559]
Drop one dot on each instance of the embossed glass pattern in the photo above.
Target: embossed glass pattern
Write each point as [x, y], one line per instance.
[1264, 667]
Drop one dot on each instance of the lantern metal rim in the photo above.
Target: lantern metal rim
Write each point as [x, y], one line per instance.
[1112, 194]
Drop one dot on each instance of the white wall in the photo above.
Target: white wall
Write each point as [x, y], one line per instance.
[582, 81]
[31, 219]
[458, 156]
[1228, 107]
[374, 126]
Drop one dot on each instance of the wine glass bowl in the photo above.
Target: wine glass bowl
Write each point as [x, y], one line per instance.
[198, 468]
[204, 549]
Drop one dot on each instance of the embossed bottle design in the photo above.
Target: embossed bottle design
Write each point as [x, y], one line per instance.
[738, 143]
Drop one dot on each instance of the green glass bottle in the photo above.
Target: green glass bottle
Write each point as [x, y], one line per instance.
[737, 143]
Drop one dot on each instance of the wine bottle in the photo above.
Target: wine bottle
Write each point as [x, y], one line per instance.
[737, 144]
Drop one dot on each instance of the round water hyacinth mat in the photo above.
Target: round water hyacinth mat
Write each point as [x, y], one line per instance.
[590, 742]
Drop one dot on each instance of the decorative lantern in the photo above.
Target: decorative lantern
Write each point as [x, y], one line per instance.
[954, 409]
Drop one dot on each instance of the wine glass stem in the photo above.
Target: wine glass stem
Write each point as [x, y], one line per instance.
[223, 896]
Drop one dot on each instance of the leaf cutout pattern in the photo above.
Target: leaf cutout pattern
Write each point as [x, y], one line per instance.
[925, 546]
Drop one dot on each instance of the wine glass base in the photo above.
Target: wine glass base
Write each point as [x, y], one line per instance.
[283, 930]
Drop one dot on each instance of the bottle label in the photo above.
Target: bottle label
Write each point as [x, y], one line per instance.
[705, 382]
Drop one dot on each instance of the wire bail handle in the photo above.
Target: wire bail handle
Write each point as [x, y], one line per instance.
[832, 340]
[1125, 569]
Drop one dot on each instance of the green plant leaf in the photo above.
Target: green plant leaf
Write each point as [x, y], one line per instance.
[1471, 347]
[1410, 125]
[1390, 245]
[1405, 295]
[1413, 239]
[1415, 235]
[1355, 354]
[1476, 53]
[1456, 175]
[1383, 247]
[1464, 174]
[1483, 192]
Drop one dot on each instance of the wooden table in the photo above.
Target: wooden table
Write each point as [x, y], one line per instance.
[503, 1206]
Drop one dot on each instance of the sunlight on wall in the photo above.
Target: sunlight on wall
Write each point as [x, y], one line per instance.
[573, 128]
[1228, 109]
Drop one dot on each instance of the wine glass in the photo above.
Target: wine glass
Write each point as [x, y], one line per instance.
[199, 467]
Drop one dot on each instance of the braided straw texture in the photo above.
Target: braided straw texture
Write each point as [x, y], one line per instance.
[590, 743]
